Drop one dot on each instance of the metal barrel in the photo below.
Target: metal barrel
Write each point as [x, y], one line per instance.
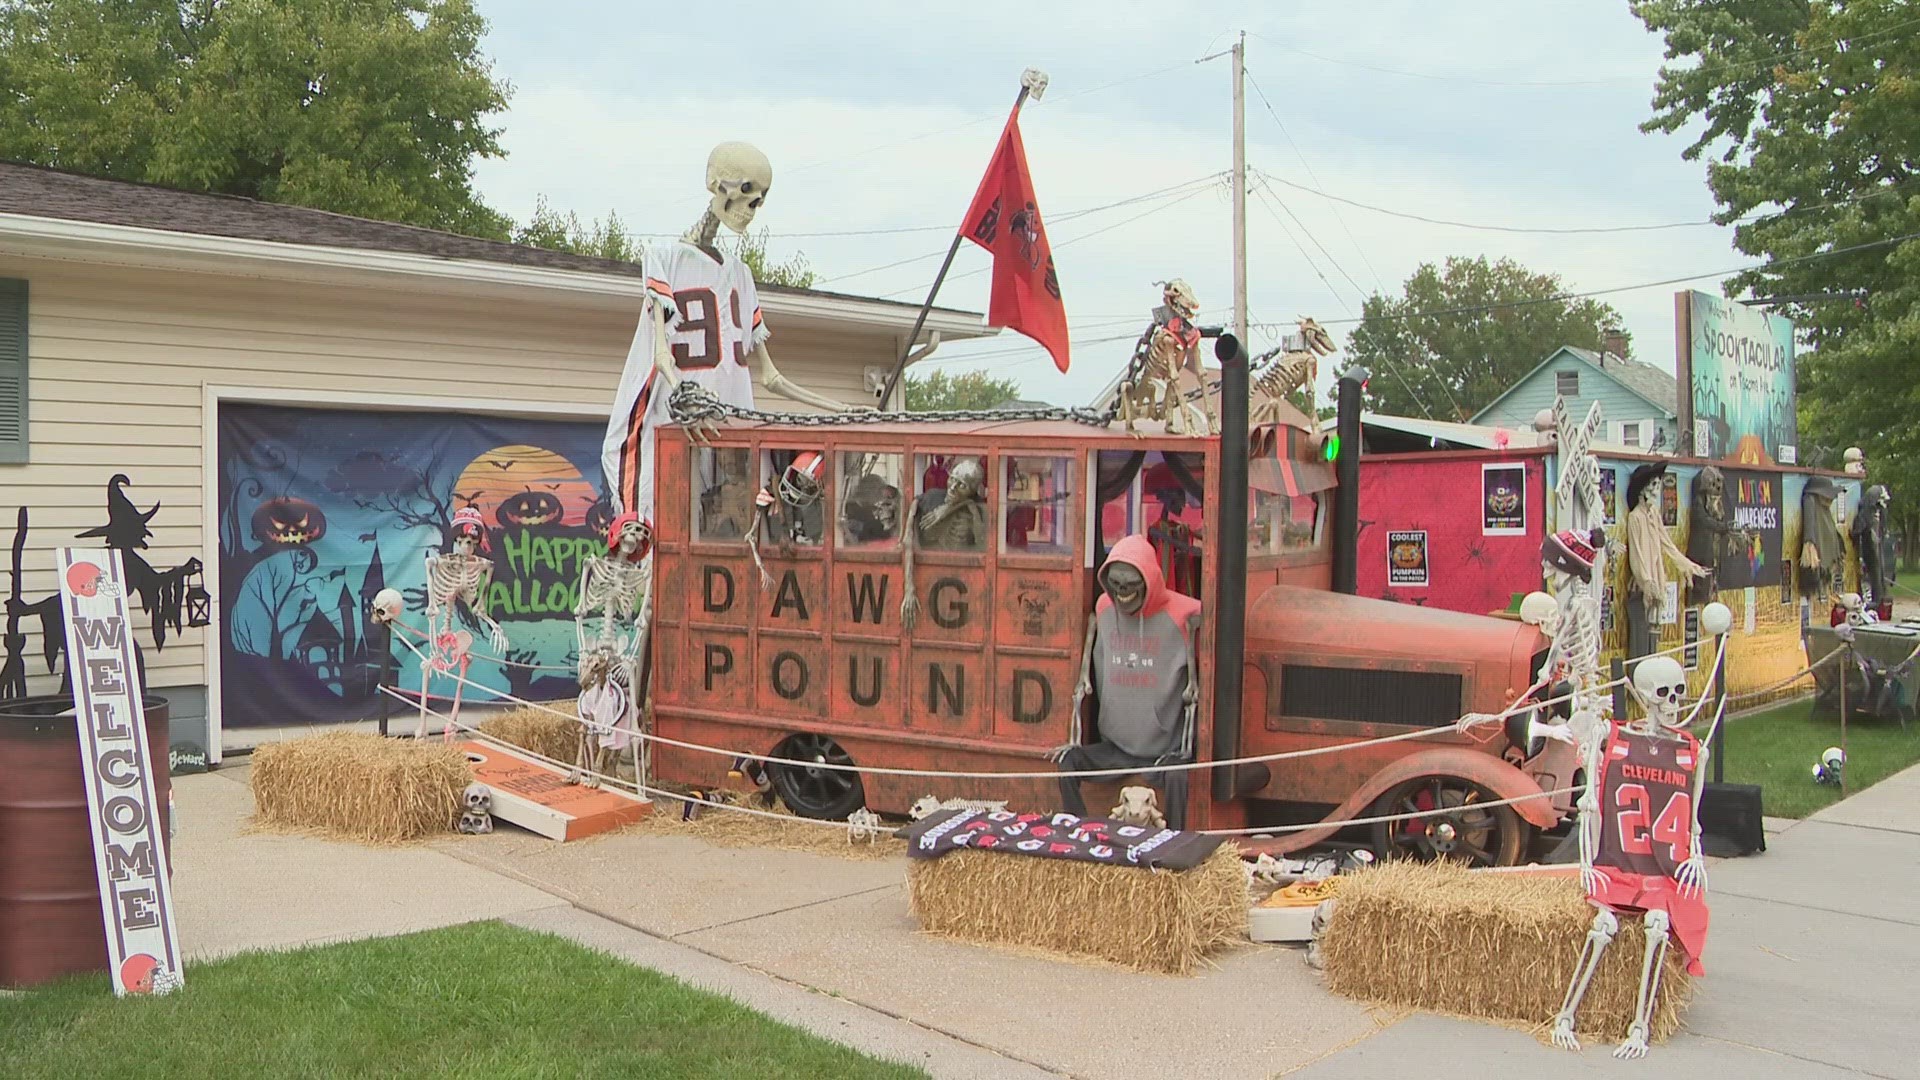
[50, 922]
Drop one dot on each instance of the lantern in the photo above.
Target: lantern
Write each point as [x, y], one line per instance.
[199, 604]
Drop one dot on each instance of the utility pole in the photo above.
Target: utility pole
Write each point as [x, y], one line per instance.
[1239, 54]
[1240, 188]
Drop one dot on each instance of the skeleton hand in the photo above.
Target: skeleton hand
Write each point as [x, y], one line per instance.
[1467, 723]
[909, 612]
[1692, 874]
[1594, 880]
[1059, 753]
[498, 638]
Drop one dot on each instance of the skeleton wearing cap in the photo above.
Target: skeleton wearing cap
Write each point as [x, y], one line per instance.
[614, 590]
[460, 576]
[1649, 549]
[787, 507]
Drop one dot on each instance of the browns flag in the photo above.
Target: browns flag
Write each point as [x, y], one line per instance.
[1005, 219]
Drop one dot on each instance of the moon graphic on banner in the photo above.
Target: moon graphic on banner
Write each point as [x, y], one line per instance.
[522, 485]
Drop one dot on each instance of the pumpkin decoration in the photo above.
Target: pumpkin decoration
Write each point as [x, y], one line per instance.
[288, 522]
[1406, 555]
[600, 515]
[530, 507]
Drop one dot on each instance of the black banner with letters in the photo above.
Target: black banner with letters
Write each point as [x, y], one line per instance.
[1059, 836]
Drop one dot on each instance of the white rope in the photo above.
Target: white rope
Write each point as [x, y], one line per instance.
[620, 782]
[1383, 819]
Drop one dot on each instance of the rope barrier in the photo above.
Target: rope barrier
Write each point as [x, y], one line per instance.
[1387, 818]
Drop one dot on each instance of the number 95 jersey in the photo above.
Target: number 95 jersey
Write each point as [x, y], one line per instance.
[713, 323]
[1646, 803]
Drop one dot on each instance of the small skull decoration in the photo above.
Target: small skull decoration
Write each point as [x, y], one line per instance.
[1661, 685]
[865, 825]
[388, 605]
[1139, 806]
[476, 815]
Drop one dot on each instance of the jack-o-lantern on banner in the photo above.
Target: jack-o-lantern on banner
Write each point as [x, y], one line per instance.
[320, 509]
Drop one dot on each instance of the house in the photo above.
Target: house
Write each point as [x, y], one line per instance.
[278, 403]
[1638, 401]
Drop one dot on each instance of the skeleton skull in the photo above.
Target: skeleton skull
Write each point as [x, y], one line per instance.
[1179, 296]
[1661, 683]
[1126, 586]
[388, 604]
[965, 481]
[632, 538]
[479, 799]
[739, 177]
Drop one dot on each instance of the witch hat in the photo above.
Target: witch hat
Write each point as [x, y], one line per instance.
[126, 525]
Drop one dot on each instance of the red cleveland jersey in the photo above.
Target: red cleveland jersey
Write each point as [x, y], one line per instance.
[1646, 803]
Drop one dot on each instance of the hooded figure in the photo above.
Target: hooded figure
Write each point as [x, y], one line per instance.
[1869, 541]
[1139, 666]
[1820, 548]
[1710, 532]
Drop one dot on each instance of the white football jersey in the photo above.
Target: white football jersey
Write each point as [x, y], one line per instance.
[713, 323]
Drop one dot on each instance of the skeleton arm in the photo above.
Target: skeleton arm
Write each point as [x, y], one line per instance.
[1081, 689]
[761, 519]
[1589, 821]
[910, 604]
[477, 603]
[1692, 875]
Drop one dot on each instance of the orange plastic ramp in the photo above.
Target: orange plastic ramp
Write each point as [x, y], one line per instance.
[536, 796]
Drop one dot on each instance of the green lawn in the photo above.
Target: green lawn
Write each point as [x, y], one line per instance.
[484, 1000]
[1777, 749]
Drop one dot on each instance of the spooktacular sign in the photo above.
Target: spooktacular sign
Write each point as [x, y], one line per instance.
[320, 509]
[1738, 371]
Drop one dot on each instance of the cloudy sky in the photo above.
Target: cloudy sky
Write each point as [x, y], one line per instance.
[1521, 114]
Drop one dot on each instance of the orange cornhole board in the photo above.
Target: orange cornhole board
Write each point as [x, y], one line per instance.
[536, 796]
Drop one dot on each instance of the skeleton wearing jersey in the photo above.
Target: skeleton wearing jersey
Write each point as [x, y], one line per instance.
[700, 321]
[1647, 859]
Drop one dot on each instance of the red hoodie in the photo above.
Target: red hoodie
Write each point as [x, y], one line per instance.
[1140, 661]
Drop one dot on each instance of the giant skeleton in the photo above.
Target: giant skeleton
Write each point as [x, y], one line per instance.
[610, 625]
[460, 576]
[1626, 765]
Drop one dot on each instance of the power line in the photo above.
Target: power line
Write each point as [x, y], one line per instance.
[1310, 175]
[1275, 200]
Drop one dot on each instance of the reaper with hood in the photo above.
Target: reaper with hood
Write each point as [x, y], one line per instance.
[1139, 665]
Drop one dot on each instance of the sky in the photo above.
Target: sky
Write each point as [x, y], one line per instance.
[1521, 115]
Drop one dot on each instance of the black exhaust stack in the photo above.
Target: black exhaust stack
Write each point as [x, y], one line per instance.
[1230, 588]
[1346, 471]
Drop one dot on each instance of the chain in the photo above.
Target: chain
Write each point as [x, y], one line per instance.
[691, 404]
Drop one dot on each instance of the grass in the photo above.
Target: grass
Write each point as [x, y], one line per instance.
[1777, 749]
[482, 1000]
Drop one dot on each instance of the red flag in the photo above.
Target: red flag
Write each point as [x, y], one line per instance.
[1005, 219]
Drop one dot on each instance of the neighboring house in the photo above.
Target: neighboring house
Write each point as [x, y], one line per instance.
[146, 332]
[1638, 401]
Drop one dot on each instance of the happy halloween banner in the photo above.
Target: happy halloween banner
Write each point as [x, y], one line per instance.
[322, 508]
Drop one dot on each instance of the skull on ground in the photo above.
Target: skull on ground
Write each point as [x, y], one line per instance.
[478, 799]
[738, 178]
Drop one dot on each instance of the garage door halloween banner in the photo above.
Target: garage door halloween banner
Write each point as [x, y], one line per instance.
[321, 509]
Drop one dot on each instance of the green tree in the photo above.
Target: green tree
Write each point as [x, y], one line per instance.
[751, 249]
[1812, 110]
[375, 108]
[941, 392]
[1462, 333]
[606, 238]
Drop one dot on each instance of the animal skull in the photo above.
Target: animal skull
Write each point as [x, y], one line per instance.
[864, 824]
[1139, 806]
[1661, 683]
[1179, 296]
[739, 177]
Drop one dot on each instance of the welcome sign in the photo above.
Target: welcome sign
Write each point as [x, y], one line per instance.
[1736, 376]
[129, 845]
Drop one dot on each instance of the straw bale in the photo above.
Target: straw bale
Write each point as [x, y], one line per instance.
[729, 828]
[537, 730]
[1146, 920]
[359, 787]
[1499, 947]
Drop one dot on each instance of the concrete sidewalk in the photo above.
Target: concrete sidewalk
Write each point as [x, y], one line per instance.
[1813, 964]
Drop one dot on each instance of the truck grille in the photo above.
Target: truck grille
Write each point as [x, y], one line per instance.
[1368, 696]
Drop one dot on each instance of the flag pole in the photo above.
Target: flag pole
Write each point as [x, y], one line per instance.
[1027, 83]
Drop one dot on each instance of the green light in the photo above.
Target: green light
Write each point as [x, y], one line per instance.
[1331, 448]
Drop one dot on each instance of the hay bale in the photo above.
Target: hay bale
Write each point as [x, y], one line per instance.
[1499, 947]
[1146, 920]
[359, 787]
[532, 729]
[728, 828]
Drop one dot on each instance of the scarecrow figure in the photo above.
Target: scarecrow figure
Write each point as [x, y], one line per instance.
[1649, 549]
[1821, 550]
[1138, 664]
[952, 521]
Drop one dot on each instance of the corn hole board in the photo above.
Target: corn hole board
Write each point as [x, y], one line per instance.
[536, 796]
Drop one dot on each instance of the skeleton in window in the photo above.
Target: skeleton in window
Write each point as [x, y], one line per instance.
[610, 626]
[700, 321]
[787, 508]
[955, 520]
[871, 513]
[458, 577]
[1152, 388]
[1646, 857]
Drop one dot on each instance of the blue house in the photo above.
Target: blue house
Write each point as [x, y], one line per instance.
[1638, 401]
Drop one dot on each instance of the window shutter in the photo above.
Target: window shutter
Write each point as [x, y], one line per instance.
[13, 371]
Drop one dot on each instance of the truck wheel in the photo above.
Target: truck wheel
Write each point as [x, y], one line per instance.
[828, 794]
[1476, 836]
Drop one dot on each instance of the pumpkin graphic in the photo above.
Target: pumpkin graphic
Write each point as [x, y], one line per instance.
[1407, 555]
[288, 522]
[530, 507]
[600, 515]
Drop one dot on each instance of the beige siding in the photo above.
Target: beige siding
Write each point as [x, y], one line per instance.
[120, 357]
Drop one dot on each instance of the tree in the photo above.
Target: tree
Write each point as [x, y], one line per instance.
[1812, 109]
[752, 250]
[375, 108]
[606, 239]
[1461, 334]
[940, 392]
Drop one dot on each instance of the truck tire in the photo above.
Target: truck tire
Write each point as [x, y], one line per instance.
[827, 794]
[1491, 836]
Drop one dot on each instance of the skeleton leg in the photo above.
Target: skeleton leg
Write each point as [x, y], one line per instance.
[1651, 964]
[1599, 936]
[426, 679]
[453, 715]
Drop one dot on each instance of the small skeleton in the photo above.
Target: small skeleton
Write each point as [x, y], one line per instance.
[458, 577]
[927, 806]
[865, 825]
[958, 522]
[780, 508]
[1139, 806]
[476, 815]
[1152, 386]
[1298, 366]
[1642, 854]
[615, 590]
